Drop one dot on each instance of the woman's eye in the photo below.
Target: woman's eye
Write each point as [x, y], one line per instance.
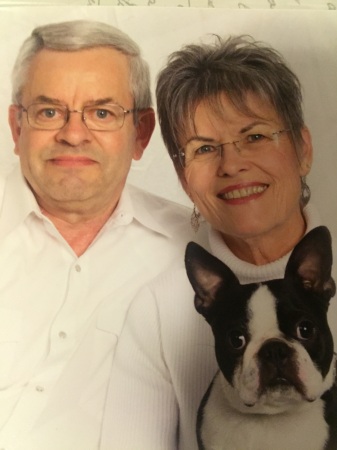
[255, 138]
[205, 149]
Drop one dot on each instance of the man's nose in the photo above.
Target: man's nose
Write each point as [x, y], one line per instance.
[75, 131]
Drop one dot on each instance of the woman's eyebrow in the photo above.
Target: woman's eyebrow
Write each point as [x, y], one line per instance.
[252, 125]
[200, 139]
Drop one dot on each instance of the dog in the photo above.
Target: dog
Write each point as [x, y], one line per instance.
[275, 389]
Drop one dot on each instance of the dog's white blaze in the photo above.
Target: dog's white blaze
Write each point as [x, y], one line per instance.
[262, 314]
[262, 325]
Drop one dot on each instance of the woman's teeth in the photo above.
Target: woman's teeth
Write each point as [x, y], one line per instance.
[243, 192]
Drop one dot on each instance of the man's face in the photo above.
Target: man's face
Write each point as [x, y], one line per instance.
[75, 169]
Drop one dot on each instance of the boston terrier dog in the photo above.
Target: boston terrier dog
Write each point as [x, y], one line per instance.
[275, 389]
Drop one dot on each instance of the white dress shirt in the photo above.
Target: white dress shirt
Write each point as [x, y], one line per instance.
[61, 315]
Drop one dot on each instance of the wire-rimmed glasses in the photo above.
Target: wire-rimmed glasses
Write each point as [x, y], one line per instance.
[209, 152]
[49, 116]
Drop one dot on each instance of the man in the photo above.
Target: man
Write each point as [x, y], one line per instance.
[75, 243]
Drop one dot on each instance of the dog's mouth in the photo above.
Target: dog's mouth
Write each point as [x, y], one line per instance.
[279, 368]
[281, 381]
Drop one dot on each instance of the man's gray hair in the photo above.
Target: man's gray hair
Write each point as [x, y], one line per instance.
[79, 35]
[234, 66]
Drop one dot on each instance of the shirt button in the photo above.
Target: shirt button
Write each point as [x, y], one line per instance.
[39, 388]
[62, 335]
[78, 268]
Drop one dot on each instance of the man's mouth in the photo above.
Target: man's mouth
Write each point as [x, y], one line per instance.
[243, 192]
[72, 161]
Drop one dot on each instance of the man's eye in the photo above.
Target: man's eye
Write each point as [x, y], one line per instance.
[47, 113]
[103, 113]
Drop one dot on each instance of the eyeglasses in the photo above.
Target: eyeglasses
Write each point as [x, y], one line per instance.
[247, 146]
[49, 116]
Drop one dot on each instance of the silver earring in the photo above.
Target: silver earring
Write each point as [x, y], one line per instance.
[305, 192]
[195, 219]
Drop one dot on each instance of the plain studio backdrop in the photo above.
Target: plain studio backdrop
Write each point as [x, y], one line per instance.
[306, 38]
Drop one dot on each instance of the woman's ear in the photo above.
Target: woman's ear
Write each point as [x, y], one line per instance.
[144, 128]
[306, 152]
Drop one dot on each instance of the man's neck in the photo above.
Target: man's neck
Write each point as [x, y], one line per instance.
[77, 230]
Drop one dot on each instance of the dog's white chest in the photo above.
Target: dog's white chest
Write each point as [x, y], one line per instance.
[302, 428]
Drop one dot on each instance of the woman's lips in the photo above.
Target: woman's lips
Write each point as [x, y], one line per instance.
[242, 192]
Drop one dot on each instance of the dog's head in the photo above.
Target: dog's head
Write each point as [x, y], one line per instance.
[272, 340]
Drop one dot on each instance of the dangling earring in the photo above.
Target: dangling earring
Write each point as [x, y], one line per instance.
[305, 192]
[195, 219]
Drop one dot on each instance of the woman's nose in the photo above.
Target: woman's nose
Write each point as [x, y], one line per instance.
[231, 161]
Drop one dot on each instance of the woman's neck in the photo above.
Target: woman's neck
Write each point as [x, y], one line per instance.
[267, 247]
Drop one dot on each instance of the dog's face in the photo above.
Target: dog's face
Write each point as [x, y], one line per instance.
[272, 340]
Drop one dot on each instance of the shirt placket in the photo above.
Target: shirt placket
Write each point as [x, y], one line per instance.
[63, 339]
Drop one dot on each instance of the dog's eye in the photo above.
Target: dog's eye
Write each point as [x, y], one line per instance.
[236, 339]
[305, 330]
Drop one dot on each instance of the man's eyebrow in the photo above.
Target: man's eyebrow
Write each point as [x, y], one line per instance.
[101, 101]
[45, 99]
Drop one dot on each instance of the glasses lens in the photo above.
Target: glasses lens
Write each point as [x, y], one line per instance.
[203, 154]
[104, 117]
[46, 116]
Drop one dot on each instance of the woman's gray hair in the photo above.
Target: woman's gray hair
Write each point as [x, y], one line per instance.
[234, 66]
[78, 35]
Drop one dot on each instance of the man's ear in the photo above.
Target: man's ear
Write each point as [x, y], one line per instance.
[15, 124]
[144, 128]
[306, 152]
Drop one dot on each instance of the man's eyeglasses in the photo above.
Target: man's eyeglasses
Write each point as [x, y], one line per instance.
[48, 116]
[212, 153]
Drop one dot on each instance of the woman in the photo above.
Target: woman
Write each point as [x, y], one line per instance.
[231, 118]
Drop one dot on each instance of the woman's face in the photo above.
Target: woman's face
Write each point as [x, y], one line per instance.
[251, 194]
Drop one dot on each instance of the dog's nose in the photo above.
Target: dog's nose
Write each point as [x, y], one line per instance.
[275, 352]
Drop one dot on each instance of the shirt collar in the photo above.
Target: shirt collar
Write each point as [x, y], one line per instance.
[142, 207]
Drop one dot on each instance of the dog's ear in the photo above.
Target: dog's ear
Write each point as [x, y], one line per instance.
[311, 261]
[206, 274]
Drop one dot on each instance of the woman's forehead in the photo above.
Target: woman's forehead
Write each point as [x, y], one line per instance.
[225, 110]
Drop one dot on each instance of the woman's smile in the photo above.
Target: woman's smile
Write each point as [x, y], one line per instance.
[242, 192]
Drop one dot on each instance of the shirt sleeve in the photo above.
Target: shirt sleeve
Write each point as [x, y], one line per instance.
[141, 411]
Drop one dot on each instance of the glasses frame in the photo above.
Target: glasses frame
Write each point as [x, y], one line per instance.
[181, 153]
[80, 111]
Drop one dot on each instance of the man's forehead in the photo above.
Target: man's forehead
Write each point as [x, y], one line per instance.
[97, 72]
